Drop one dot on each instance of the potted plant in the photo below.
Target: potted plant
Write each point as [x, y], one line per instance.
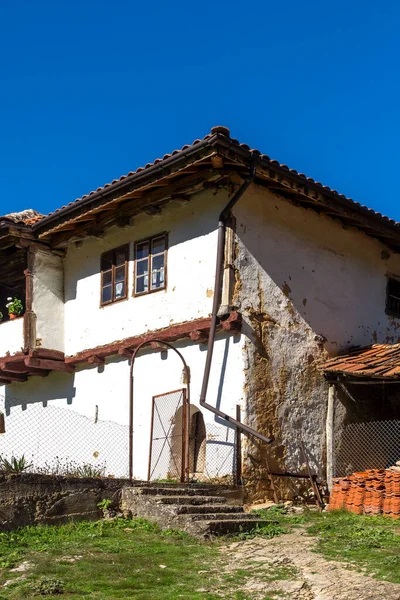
[14, 307]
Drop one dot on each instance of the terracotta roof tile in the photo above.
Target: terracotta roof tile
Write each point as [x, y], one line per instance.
[27, 217]
[223, 133]
[377, 361]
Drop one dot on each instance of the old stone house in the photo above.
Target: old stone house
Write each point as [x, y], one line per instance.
[306, 274]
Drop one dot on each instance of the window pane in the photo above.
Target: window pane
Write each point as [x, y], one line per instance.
[142, 284]
[119, 290]
[142, 250]
[106, 295]
[158, 245]
[107, 277]
[106, 261]
[120, 257]
[142, 267]
[157, 272]
[120, 274]
[158, 262]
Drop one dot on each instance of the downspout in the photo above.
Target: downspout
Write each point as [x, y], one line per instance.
[216, 304]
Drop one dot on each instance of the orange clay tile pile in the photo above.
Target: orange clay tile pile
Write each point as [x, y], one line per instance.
[372, 492]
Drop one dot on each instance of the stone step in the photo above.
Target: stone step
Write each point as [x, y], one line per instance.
[176, 491]
[223, 516]
[214, 528]
[189, 509]
[189, 499]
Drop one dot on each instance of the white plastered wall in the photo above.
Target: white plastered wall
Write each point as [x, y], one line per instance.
[308, 285]
[11, 336]
[191, 268]
[74, 401]
[48, 300]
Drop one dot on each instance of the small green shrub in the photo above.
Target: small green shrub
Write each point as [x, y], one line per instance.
[15, 307]
[14, 465]
[104, 504]
[47, 586]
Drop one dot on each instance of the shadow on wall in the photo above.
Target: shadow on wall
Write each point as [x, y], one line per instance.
[307, 268]
[185, 223]
[38, 391]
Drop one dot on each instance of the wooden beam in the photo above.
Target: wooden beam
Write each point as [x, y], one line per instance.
[47, 353]
[96, 360]
[199, 335]
[51, 365]
[12, 366]
[13, 376]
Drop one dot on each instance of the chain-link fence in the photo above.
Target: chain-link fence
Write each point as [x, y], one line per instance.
[61, 441]
[211, 453]
[371, 445]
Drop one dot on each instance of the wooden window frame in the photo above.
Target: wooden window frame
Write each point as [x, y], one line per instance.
[150, 241]
[124, 248]
[388, 309]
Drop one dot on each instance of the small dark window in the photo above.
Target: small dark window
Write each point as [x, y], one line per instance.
[150, 265]
[114, 275]
[393, 297]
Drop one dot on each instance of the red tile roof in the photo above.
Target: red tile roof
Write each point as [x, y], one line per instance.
[28, 216]
[379, 361]
[234, 144]
[218, 139]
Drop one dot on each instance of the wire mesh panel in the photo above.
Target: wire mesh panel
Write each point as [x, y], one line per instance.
[372, 445]
[220, 455]
[167, 436]
[60, 441]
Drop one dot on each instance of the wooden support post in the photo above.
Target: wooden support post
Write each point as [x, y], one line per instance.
[29, 316]
[238, 449]
[329, 435]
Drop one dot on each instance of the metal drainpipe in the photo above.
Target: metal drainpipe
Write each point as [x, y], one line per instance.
[216, 303]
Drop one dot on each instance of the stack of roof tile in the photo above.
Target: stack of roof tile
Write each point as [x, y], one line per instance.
[372, 492]
[391, 505]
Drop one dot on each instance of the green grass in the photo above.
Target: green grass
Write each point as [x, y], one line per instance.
[370, 544]
[109, 560]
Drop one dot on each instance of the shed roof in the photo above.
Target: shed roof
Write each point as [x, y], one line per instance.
[378, 361]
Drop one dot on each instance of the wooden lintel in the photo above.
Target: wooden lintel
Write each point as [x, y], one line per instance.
[96, 360]
[233, 323]
[33, 372]
[12, 366]
[46, 353]
[49, 365]
[172, 333]
[217, 161]
[125, 352]
[199, 335]
[4, 381]
[13, 376]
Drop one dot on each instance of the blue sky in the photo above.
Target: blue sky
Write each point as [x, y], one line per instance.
[93, 89]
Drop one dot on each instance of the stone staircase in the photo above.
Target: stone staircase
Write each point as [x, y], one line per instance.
[202, 510]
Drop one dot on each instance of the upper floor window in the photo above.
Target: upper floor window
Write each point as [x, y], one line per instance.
[393, 296]
[114, 275]
[150, 264]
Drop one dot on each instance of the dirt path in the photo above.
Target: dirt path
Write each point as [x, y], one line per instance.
[287, 564]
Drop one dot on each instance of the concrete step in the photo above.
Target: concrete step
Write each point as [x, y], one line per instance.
[223, 516]
[168, 491]
[189, 509]
[189, 499]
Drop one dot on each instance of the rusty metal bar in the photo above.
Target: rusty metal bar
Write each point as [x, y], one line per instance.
[238, 449]
[216, 304]
[318, 499]
[131, 395]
